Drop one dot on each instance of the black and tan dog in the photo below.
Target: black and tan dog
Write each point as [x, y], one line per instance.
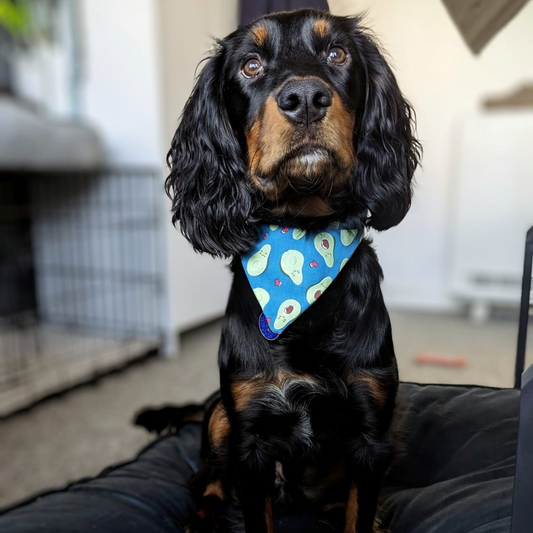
[296, 120]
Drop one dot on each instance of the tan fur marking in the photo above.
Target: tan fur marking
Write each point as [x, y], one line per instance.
[272, 135]
[372, 384]
[266, 140]
[268, 515]
[219, 426]
[201, 512]
[321, 27]
[254, 147]
[215, 489]
[352, 511]
[338, 129]
[375, 390]
[260, 34]
[243, 391]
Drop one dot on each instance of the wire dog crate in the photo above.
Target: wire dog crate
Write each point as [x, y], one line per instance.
[81, 278]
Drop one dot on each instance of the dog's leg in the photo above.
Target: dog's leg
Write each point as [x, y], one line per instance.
[362, 505]
[352, 510]
[255, 495]
[252, 468]
[213, 496]
[373, 403]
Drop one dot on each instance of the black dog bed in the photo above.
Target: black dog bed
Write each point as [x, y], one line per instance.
[454, 475]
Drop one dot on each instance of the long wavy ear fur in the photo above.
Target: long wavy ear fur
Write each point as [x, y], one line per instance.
[210, 197]
[387, 149]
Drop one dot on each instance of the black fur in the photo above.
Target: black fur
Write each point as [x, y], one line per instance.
[306, 418]
[213, 200]
[387, 150]
[210, 197]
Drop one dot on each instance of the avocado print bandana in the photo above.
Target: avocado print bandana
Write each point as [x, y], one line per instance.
[289, 268]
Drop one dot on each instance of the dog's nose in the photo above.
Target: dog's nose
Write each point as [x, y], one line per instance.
[304, 101]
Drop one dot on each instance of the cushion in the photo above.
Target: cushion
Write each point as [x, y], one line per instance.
[456, 471]
[454, 475]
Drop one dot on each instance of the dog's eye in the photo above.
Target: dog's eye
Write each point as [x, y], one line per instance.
[336, 55]
[252, 68]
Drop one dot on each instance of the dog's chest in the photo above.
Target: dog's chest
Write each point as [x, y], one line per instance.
[288, 413]
[301, 429]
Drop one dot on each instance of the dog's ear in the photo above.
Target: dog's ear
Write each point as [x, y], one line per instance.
[387, 149]
[211, 199]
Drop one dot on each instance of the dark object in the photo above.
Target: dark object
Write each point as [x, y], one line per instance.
[479, 22]
[163, 419]
[236, 160]
[169, 418]
[456, 474]
[523, 488]
[17, 284]
[252, 9]
[523, 484]
[519, 98]
[525, 306]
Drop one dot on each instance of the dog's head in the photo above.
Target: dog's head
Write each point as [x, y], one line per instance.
[295, 119]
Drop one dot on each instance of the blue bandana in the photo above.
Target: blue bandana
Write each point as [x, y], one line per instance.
[289, 268]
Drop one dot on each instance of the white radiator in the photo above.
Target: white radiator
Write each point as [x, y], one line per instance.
[492, 208]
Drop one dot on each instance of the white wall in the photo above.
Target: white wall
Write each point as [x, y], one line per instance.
[41, 72]
[199, 284]
[120, 86]
[443, 80]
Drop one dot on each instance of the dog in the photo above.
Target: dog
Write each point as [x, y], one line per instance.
[296, 123]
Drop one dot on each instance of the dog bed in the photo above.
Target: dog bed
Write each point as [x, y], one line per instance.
[453, 475]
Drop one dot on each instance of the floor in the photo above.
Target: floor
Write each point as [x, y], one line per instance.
[38, 360]
[81, 432]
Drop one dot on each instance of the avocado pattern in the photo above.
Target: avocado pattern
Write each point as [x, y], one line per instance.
[347, 236]
[325, 246]
[298, 234]
[315, 291]
[259, 261]
[287, 312]
[262, 296]
[290, 268]
[292, 262]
